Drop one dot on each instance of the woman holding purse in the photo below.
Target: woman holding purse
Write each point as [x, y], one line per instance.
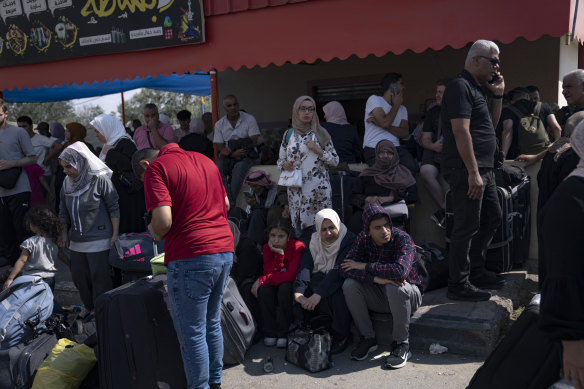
[309, 149]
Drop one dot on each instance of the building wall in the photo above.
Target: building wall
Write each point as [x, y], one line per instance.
[269, 93]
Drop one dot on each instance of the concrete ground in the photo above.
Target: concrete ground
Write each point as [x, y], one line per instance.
[422, 371]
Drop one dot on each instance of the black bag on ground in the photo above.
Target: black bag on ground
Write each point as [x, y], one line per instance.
[310, 348]
[524, 358]
[521, 197]
[138, 347]
[237, 325]
[432, 266]
[19, 364]
[498, 258]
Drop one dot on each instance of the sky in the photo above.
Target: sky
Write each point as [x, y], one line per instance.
[109, 103]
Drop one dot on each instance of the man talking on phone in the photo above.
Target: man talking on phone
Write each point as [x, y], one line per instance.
[468, 159]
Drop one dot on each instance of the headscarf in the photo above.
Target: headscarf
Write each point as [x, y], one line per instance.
[111, 128]
[301, 128]
[197, 126]
[87, 165]
[77, 132]
[577, 142]
[389, 173]
[259, 177]
[335, 113]
[58, 131]
[325, 254]
[236, 234]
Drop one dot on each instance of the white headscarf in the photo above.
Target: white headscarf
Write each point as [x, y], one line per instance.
[577, 142]
[111, 128]
[86, 164]
[325, 254]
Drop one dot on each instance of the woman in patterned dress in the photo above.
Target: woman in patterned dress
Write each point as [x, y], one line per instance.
[310, 149]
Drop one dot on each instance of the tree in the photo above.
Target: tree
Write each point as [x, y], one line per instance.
[87, 113]
[58, 111]
[168, 102]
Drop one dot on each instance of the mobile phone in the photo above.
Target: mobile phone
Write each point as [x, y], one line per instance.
[394, 88]
[495, 78]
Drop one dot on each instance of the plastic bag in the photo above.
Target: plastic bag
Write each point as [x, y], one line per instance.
[157, 264]
[66, 367]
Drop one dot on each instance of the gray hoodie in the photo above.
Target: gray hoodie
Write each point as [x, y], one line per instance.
[89, 213]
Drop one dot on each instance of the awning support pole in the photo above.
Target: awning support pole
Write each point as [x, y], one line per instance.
[123, 110]
[214, 104]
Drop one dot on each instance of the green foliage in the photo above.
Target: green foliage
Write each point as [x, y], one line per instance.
[169, 103]
[58, 111]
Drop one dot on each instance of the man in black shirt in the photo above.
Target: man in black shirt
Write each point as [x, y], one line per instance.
[467, 164]
[511, 116]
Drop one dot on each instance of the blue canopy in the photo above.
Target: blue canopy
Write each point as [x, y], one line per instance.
[193, 84]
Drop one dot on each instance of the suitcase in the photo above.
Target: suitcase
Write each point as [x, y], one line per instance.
[342, 189]
[498, 258]
[524, 358]
[137, 343]
[237, 325]
[19, 364]
[521, 222]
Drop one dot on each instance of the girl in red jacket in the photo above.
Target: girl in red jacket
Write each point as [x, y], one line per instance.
[273, 289]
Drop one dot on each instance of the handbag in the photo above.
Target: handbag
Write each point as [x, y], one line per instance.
[291, 178]
[309, 349]
[9, 177]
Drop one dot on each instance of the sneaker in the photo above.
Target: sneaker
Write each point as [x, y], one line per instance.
[487, 280]
[269, 342]
[439, 217]
[400, 353]
[340, 345]
[467, 292]
[215, 386]
[282, 342]
[365, 346]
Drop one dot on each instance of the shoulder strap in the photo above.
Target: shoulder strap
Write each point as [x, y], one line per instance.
[537, 108]
[515, 111]
[288, 136]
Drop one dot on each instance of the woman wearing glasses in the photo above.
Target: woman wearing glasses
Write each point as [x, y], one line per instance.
[307, 147]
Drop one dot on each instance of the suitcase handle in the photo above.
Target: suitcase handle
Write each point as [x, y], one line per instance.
[245, 318]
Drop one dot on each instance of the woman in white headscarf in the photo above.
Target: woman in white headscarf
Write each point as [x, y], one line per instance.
[318, 285]
[89, 207]
[117, 154]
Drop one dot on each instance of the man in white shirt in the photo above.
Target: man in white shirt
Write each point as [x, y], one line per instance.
[45, 148]
[236, 135]
[386, 118]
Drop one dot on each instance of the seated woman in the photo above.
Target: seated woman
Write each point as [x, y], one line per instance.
[384, 183]
[273, 288]
[318, 285]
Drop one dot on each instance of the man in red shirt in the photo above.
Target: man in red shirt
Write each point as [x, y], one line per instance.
[187, 201]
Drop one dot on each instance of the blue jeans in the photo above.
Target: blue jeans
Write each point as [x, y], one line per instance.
[195, 290]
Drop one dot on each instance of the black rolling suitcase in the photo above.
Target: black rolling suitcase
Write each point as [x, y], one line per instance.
[499, 251]
[237, 325]
[138, 347]
[521, 222]
[19, 364]
[524, 358]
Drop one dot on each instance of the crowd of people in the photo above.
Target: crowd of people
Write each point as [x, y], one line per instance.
[292, 256]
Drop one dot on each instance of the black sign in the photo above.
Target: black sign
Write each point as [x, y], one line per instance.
[46, 30]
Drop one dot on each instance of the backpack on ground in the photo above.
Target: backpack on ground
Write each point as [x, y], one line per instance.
[25, 304]
[237, 325]
[532, 136]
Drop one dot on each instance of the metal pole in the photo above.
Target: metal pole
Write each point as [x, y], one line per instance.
[214, 103]
[123, 110]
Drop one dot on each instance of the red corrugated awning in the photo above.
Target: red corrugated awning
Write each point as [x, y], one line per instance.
[264, 34]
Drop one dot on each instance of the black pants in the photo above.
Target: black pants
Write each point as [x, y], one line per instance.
[475, 223]
[405, 158]
[334, 307]
[12, 229]
[276, 309]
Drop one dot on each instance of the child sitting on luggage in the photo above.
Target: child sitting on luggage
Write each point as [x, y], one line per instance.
[40, 251]
[273, 289]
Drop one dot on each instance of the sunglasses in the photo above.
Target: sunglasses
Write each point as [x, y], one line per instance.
[494, 61]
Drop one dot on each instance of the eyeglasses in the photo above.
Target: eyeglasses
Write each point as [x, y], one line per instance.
[494, 61]
[306, 109]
